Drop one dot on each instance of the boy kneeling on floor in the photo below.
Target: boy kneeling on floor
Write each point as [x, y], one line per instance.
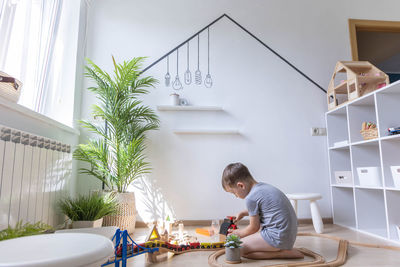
[273, 222]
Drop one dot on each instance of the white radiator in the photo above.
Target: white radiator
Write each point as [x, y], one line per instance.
[34, 174]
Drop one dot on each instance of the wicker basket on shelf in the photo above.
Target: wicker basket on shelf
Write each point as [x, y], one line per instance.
[10, 88]
[369, 133]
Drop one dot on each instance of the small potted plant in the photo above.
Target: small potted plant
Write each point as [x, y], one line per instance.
[232, 249]
[88, 211]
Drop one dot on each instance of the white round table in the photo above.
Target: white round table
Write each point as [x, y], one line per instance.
[61, 250]
[106, 231]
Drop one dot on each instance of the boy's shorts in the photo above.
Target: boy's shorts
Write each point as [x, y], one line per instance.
[282, 240]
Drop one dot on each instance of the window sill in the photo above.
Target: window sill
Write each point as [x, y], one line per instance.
[36, 116]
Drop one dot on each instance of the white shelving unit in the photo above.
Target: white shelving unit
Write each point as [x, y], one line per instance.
[369, 209]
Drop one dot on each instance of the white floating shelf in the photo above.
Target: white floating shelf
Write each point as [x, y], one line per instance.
[188, 108]
[207, 131]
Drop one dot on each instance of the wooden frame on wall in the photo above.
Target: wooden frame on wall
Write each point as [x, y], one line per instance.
[368, 25]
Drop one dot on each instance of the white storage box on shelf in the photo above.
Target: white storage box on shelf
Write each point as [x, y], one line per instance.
[369, 176]
[344, 177]
[396, 175]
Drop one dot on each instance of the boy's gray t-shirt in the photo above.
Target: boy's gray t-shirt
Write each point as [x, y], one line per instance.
[277, 216]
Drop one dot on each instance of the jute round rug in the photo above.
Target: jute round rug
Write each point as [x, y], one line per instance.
[318, 260]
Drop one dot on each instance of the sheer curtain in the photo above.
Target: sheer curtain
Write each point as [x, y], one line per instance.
[34, 49]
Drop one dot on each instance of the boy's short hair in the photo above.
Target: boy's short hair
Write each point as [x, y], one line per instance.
[235, 172]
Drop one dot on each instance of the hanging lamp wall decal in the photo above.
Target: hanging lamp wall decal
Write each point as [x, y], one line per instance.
[167, 76]
[188, 74]
[225, 16]
[197, 74]
[208, 82]
[177, 85]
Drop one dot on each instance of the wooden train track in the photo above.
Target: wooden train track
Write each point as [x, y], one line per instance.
[153, 257]
[318, 260]
[168, 247]
[163, 250]
[354, 243]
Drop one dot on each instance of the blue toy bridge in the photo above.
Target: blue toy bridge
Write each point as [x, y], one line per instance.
[124, 237]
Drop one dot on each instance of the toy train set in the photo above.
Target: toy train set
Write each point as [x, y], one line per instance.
[138, 248]
[126, 248]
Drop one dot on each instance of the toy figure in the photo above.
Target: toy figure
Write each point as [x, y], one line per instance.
[226, 225]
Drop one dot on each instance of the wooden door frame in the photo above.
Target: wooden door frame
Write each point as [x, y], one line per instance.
[371, 26]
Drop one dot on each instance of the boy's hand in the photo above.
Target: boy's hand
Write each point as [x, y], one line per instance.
[238, 217]
[234, 232]
[233, 217]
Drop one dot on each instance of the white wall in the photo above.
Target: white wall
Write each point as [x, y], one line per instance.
[272, 105]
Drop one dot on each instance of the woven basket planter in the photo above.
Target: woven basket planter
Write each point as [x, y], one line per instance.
[369, 134]
[124, 218]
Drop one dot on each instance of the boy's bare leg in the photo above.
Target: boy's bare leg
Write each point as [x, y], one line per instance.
[255, 247]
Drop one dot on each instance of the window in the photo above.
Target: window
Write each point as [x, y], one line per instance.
[377, 42]
[38, 47]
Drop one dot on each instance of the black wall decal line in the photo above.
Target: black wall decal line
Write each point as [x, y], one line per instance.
[181, 44]
[248, 32]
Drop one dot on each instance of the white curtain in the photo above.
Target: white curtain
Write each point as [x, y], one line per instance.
[50, 13]
[7, 14]
[34, 36]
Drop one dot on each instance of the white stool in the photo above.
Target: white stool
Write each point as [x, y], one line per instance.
[316, 216]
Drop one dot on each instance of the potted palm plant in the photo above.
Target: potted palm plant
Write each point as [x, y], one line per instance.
[232, 249]
[116, 154]
[88, 211]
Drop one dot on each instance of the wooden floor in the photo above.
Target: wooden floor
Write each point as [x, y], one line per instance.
[357, 256]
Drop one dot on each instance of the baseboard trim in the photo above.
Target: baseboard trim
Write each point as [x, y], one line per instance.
[141, 224]
[309, 221]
